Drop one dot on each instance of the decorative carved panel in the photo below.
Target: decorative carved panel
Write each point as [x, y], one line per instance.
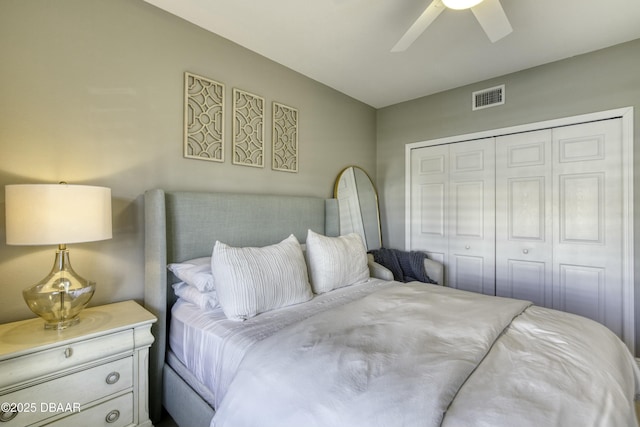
[248, 129]
[203, 118]
[285, 138]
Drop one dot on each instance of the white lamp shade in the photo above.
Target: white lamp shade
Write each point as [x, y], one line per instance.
[460, 4]
[53, 214]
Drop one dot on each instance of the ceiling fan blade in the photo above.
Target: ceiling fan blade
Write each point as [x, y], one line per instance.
[493, 20]
[428, 16]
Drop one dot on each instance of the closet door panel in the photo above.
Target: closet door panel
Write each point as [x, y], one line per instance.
[432, 208]
[577, 287]
[582, 206]
[472, 216]
[523, 217]
[468, 273]
[526, 204]
[429, 208]
[588, 233]
[524, 280]
[468, 204]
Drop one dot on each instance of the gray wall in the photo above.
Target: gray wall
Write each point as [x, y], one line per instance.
[597, 81]
[91, 92]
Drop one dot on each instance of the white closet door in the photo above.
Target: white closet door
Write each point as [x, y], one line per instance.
[471, 264]
[429, 217]
[452, 211]
[541, 212]
[588, 202]
[523, 217]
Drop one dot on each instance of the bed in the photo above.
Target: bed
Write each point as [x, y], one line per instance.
[372, 352]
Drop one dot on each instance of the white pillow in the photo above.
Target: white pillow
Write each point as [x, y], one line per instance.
[195, 272]
[250, 280]
[335, 262]
[204, 300]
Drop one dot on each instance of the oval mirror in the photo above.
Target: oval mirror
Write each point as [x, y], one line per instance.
[358, 206]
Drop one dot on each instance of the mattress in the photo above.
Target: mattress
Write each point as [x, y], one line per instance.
[210, 347]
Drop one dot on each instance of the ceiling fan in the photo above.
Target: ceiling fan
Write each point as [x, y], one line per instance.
[489, 14]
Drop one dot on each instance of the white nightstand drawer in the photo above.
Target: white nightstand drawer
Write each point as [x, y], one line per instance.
[91, 374]
[117, 412]
[68, 394]
[54, 360]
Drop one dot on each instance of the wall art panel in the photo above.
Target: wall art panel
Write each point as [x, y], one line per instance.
[203, 118]
[285, 138]
[248, 129]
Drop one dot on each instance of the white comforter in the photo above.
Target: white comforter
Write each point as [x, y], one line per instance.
[423, 355]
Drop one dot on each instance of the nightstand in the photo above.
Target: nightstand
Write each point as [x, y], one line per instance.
[92, 374]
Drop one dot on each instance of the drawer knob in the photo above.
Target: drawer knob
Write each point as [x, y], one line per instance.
[113, 378]
[112, 416]
[6, 416]
[68, 352]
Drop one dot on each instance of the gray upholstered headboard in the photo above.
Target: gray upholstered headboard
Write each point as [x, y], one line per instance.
[185, 225]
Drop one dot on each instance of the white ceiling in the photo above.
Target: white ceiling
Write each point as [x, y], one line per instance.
[346, 44]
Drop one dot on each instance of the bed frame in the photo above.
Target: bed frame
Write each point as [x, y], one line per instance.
[182, 225]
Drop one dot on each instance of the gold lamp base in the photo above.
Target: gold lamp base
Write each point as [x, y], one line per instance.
[61, 295]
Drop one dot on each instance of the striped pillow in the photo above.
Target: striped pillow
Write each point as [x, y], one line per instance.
[251, 280]
[335, 262]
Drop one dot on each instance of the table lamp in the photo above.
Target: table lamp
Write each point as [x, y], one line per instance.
[58, 214]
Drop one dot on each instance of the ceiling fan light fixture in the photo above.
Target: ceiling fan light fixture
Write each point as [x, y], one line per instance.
[461, 4]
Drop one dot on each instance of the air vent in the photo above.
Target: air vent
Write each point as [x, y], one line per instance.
[487, 97]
